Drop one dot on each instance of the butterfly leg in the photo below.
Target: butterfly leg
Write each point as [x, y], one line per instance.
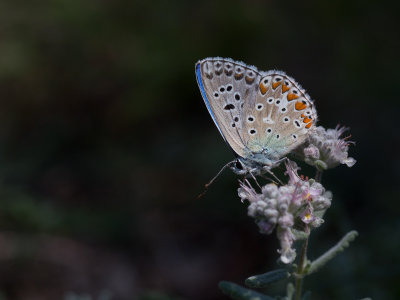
[267, 169]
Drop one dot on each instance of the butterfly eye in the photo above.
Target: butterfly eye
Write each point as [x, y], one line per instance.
[238, 165]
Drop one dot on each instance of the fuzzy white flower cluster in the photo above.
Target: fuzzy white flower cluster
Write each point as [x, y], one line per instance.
[298, 205]
[326, 149]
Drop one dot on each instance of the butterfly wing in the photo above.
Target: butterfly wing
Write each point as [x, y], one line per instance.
[226, 86]
[261, 115]
[280, 119]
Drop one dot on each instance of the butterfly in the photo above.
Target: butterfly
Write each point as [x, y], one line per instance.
[262, 116]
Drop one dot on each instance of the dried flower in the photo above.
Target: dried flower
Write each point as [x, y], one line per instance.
[326, 149]
[285, 207]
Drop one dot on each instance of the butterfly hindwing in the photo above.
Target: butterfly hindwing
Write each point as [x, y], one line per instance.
[282, 116]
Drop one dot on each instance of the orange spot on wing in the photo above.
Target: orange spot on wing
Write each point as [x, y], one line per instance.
[291, 97]
[306, 120]
[300, 105]
[284, 88]
[309, 125]
[263, 88]
[303, 116]
[276, 84]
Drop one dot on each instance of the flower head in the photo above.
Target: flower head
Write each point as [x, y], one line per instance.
[326, 149]
[296, 205]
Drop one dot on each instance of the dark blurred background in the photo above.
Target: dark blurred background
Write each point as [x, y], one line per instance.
[105, 144]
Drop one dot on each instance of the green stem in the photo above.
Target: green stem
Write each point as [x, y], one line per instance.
[300, 269]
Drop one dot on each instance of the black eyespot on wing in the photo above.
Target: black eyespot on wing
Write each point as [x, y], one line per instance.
[237, 97]
[229, 107]
[229, 88]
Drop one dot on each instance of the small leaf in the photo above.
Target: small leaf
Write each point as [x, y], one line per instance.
[290, 290]
[262, 280]
[331, 253]
[238, 292]
[299, 234]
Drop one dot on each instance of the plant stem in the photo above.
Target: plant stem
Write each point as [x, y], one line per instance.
[318, 176]
[300, 269]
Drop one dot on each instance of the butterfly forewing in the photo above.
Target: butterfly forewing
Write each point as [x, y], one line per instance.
[226, 86]
[256, 112]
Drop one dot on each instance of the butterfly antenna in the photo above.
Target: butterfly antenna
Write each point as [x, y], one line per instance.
[206, 186]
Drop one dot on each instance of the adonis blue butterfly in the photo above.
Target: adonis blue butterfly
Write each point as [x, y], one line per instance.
[262, 116]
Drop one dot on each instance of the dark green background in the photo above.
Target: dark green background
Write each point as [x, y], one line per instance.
[105, 143]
